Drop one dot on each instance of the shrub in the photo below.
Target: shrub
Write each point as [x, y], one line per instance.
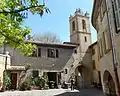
[42, 82]
[37, 81]
[6, 79]
[26, 84]
[27, 66]
[25, 80]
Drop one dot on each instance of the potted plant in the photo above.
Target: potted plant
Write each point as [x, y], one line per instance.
[59, 85]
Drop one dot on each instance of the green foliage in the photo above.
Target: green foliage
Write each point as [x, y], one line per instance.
[26, 84]
[37, 81]
[30, 81]
[42, 82]
[6, 79]
[27, 66]
[12, 16]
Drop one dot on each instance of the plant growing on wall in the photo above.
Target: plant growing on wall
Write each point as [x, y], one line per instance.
[6, 79]
[25, 78]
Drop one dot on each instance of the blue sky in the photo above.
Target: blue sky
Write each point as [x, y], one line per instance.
[58, 21]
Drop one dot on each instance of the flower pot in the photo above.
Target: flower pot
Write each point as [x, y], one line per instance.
[35, 88]
[59, 86]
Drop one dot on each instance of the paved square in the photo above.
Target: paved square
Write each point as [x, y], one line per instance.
[54, 92]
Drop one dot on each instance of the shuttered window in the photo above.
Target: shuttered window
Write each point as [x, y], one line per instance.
[101, 48]
[103, 9]
[57, 53]
[106, 41]
[94, 66]
[117, 13]
[39, 52]
[53, 53]
[73, 26]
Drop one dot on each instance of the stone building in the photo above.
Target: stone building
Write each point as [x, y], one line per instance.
[106, 20]
[79, 65]
[95, 63]
[47, 59]
[60, 62]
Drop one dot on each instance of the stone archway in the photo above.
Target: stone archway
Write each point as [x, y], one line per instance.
[109, 85]
[82, 76]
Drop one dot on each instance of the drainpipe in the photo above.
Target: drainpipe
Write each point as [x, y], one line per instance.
[115, 63]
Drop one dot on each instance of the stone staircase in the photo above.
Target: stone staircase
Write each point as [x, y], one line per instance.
[71, 65]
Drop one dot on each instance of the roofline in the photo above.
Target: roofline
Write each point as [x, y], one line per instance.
[93, 10]
[96, 5]
[71, 43]
[52, 44]
[93, 44]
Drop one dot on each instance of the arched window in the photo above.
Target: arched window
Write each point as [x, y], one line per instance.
[73, 26]
[85, 39]
[84, 24]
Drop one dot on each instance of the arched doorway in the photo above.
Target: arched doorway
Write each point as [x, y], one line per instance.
[109, 85]
[82, 76]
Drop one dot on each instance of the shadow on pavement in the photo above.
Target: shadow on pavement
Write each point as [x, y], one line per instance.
[83, 92]
[69, 94]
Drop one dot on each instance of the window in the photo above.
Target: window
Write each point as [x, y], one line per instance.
[104, 42]
[84, 24]
[93, 61]
[36, 52]
[85, 39]
[35, 73]
[118, 3]
[73, 26]
[101, 48]
[116, 14]
[39, 52]
[106, 39]
[57, 53]
[103, 9]
[66, 71]
[75, 51]
[53, 53]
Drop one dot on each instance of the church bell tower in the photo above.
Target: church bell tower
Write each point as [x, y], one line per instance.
[80, 29]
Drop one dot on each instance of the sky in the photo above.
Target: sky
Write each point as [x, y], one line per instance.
[57, 21]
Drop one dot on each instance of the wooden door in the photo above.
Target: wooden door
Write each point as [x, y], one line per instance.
[14, 80]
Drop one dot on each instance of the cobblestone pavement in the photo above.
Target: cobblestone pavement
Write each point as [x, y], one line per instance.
[54, 92]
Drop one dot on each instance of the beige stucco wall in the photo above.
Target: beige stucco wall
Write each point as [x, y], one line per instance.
[97, 66]
[106, 62]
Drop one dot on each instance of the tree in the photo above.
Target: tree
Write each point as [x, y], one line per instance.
[12, 16]
[47, 37]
